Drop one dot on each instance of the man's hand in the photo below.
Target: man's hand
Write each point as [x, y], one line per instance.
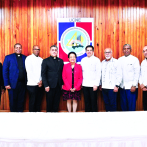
[8, 87]
[144, 89]
[94, 88]
[142, 86]
[133, 89]
[3, 91]
[115, 89]
[100, 87]
[40, 84]
[47, 89]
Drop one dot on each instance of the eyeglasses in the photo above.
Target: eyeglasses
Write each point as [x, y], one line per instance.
[18, 48]
[126, 48]
[54, 50]
[36, 49]
[144, 51]
[107, 52]
[89, 50]
[72, 57]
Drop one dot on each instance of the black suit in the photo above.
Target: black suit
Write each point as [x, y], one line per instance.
[1, 80]
[52, 76]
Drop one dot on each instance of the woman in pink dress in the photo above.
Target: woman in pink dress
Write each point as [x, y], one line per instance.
[72, 78]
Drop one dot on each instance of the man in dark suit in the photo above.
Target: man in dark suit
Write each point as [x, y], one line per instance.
[52, 79]
[2, 88]
[14, 75]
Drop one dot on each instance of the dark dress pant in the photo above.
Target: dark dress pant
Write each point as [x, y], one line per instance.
[145, 100]
[53, 99]
[90, 99]
[17, 97]
[35, 98]
[0, 95]
[128, 99]
[109, 99]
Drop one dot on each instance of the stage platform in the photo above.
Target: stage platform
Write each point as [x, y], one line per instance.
[101, 129]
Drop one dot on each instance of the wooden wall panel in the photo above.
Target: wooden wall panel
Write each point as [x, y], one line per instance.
[31, 22]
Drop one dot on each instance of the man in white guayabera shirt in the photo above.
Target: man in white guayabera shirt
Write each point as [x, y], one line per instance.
[128, 72]
[108, 80]
[143, 78]
[91, 67]
[34, 79]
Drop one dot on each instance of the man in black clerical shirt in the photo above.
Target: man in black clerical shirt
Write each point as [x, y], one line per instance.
[14, 75]
[52, 79]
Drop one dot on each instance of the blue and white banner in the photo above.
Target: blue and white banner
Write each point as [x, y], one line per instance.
[74, 34]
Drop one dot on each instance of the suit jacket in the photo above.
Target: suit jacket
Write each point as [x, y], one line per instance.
[51, 74]
[11, 70]
[67, 77]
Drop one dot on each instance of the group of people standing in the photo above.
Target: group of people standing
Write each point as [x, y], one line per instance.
[54, 77]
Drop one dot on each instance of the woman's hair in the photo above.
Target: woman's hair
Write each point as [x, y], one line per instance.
[72, 53]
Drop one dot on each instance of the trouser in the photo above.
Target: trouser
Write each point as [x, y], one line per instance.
[145, 100]
[0, 95]
[35, 98]
[90, 98]
[53, 99]
[109, 99]
[17, 97]
[128, 99]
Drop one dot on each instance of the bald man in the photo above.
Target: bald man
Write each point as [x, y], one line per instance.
[14, 75]
[108, 80]
[34, 79]
[143, 78]
[128, 73]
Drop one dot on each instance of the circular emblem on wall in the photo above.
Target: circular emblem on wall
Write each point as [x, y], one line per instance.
[75, 39]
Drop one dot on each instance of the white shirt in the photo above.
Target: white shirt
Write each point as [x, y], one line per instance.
[128, 72]
[91, 67]
[33, 68]
[143, 73]
[109, 70]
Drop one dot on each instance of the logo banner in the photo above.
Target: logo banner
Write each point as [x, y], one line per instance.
[74, 34]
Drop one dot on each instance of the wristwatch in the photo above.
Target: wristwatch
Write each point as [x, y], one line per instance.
[133, 86]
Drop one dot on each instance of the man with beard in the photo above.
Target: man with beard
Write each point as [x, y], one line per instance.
[108, 80]
[52, 79]
[15, 79]
[34, 83]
